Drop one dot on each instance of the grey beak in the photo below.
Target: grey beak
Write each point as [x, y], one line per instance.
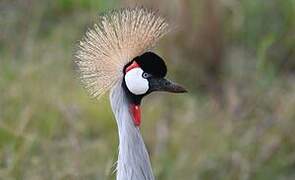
[162, 84]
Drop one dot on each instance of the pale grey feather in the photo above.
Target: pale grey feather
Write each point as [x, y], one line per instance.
[133, 160]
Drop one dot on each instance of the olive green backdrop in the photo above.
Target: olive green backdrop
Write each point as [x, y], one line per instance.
[236, 58]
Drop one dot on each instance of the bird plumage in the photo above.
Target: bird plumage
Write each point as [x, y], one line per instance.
[117, 38]
[115, 55]
[133, 159]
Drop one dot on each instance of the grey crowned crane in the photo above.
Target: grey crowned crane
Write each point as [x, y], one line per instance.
[116, 55]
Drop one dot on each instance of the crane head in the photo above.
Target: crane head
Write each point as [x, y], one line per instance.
[143, 75]
[115, 51]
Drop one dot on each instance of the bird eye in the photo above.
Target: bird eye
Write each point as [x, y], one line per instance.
[146, 75]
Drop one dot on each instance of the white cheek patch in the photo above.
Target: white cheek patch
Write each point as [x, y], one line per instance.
[135, 82]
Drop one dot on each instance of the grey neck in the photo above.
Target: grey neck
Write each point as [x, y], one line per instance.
[133, 160]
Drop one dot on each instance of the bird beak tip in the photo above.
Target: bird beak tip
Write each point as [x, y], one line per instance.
[180, 89]
[162, 84]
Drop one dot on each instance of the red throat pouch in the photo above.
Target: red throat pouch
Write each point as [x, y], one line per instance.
[136, 114]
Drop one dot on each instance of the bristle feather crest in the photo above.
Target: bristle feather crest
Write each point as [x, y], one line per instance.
[119, 36]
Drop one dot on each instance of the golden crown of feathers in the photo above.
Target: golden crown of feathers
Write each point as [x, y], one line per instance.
[119, 36]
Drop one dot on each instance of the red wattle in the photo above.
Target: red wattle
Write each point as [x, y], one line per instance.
[135, 111]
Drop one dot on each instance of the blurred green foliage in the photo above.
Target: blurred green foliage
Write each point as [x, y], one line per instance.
[237, 122]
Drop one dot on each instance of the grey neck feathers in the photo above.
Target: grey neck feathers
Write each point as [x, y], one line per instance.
[133, 160]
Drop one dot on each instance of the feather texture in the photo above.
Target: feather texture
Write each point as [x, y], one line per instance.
[119, 36]
[133, 158]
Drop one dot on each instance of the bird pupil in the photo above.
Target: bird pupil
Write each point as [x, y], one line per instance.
[145, 75]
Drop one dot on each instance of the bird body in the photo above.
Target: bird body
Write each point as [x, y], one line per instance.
[116, 56]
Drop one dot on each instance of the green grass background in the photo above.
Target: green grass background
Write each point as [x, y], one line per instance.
[51, 129]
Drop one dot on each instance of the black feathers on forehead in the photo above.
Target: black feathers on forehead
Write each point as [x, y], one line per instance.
[152, 64]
